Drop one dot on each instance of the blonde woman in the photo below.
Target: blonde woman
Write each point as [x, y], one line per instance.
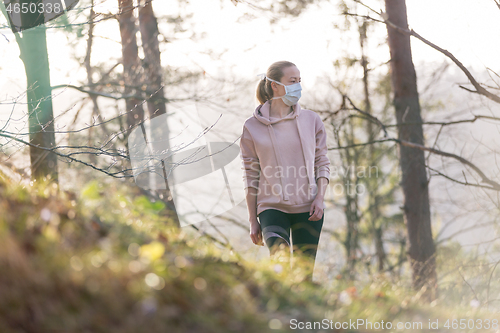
[286, 168]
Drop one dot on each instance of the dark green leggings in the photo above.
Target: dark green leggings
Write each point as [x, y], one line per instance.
[276, 226]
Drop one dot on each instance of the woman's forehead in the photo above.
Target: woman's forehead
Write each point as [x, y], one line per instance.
[292, 72]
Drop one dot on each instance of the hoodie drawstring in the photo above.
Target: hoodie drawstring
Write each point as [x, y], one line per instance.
[278, 158]
[263, 118]
[311, 184]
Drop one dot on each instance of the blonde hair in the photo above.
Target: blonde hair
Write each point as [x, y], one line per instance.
[275, 72]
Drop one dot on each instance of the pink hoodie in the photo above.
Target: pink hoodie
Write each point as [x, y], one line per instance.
[283, 158]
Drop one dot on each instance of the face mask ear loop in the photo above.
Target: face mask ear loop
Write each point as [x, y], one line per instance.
[278, 83]
[262, 76]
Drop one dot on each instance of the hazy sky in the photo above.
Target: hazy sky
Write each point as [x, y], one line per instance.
[468, 29]
[244, 47]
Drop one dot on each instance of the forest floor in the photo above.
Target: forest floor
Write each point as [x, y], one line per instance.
[107, 259]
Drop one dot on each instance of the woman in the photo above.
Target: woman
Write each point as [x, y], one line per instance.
[286, 168]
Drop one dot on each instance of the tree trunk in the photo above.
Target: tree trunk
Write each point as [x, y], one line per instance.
[33, 53]
[350, 180]
[372, 191]
[148, 26]
[131, 62]
[152, 63]
[421, 252]
[88, 66]
[132, 72]
[352, 236]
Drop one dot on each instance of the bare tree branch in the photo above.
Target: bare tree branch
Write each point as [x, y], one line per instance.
[494, 185]
[68, 156]
[102, 94]
[479, 89]
[497, 3]
[466, 183]
[473, 291]
[484, 178]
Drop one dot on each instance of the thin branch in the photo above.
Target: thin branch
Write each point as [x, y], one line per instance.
[461, 231]
[466, 183]
[479, 89]
[489, 282]
[497, 3]
[473, 291]
[441, 123]
[494, 185]
[360, 144]
[102, 94]
[484, 178]
[72, 159]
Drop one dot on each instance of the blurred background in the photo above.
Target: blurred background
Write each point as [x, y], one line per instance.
[109, 68]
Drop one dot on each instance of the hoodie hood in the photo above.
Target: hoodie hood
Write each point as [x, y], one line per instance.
[263, 110]
[262, 115]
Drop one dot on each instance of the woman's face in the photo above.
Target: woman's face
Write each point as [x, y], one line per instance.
[291, 75]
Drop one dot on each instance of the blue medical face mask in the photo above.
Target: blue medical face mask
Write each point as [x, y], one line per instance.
[292, 92]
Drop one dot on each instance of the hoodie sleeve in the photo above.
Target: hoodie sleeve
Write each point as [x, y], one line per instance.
[250, 160]
[321, 161]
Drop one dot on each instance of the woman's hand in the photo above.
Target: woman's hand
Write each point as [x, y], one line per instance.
[256, 233]
[316, 210]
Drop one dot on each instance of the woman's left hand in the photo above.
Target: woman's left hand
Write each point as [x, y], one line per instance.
[316, 210]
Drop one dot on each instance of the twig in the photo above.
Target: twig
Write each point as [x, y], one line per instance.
[479, 89]
[475, 295]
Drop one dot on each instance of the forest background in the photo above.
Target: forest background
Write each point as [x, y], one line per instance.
[116, 64]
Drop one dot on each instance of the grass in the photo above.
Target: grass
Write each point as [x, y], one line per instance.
[107, 260]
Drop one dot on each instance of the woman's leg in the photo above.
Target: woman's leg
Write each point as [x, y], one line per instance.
[275, 226]
[305, 236]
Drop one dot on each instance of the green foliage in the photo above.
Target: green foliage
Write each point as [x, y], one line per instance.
[91, 191]
[467, 278]
[107, 260]
[143, 204]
